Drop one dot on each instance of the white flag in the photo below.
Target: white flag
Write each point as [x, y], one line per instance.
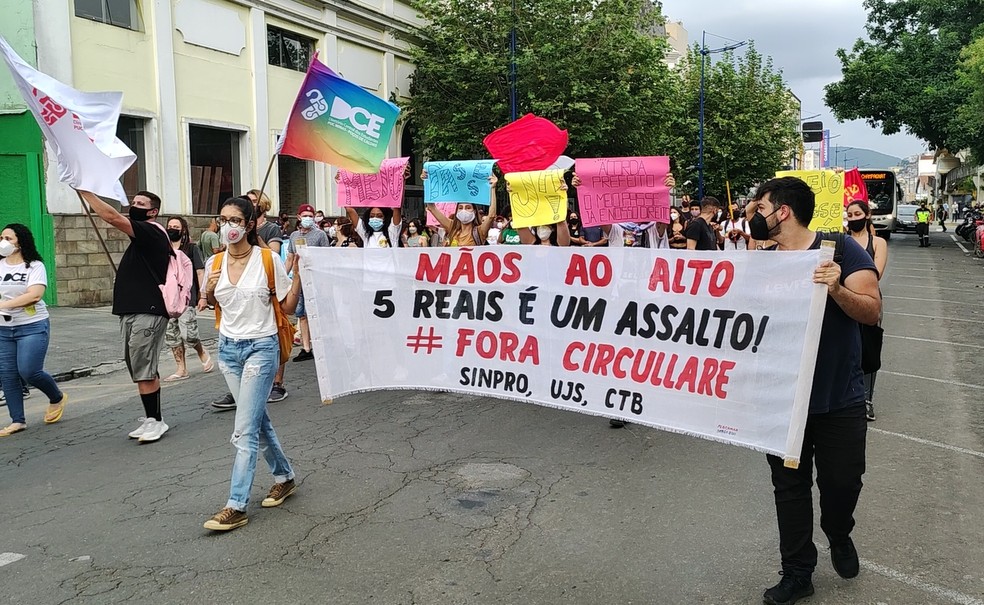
[79, 126]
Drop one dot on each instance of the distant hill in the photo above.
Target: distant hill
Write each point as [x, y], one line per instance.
[863, 158]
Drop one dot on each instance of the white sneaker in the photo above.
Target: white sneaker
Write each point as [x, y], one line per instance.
[154, 431]
[136, 433]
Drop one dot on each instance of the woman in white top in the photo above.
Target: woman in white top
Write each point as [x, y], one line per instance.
[24, 327]
[249, 353]
[378, 227]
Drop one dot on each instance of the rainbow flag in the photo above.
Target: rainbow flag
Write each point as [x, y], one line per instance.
[337, 122]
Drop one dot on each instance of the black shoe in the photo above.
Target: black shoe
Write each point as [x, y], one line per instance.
[304, 355]
[869, 411]
[277, 393]
[228, 402]
[789, 590]
[27, 393]
[844, 557]
[615, 423]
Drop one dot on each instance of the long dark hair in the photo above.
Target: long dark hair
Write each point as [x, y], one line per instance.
[185, 234]
[346, 229]
[246, 207]
[866, 208]
[25, 241]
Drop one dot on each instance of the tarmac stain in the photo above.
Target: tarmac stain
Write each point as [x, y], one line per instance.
[469, 504]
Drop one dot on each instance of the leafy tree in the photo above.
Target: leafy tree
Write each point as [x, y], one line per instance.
[750, 121]
[906, 75]
[592, 67]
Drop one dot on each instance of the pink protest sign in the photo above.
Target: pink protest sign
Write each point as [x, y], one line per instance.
[383, 189]
[447, 208]
[618, 190]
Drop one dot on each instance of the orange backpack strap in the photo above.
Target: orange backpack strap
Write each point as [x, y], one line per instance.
[216, 269]
[268, 267]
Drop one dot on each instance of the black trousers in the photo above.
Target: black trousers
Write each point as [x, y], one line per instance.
[835, 442]
[922, 230]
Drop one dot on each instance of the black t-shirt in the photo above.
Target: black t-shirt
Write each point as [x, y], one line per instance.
[593, 234]
[701, 232]
[270, 232]
[195, 256]
[142, 271]
[837, 380]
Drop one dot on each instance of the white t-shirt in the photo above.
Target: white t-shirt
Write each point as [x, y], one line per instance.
[374, 240]
[741, 225]
[246, 308]
[14, 281]
[618, 237]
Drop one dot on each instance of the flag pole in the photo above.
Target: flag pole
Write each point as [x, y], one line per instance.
[266, 177]
[85, 207]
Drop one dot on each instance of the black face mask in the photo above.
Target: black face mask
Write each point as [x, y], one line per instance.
[139, 214]
[174, 235]
[857, 225]
[758, 227]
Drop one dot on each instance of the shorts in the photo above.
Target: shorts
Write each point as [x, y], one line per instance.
[143, 335]
[300, 311]
[183, 329]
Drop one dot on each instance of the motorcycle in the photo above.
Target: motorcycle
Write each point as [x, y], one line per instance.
[968, 225]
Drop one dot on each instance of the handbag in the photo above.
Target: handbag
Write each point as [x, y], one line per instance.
[285, 329]
[871, 347]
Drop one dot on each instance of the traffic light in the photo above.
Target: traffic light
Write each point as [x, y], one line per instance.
[812, 132]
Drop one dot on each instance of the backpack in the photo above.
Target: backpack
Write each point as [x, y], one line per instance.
[838, 239]
[176, 289]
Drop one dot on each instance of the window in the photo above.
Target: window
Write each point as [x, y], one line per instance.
[121, 13]
[131, 131]
[287, 49]
[215, 170]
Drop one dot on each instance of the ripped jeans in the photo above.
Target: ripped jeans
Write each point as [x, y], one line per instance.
[249, 367]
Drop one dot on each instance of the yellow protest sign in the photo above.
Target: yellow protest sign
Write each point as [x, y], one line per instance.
[537, 198]
[828, 185]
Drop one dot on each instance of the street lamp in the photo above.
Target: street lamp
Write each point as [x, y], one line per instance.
[704, 51]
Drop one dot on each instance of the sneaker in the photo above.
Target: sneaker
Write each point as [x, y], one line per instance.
[304, 355]
[144, 423]
[227, 402]
[869, 411]
[789, 590]
[615, 423]
[27, 393]
[278, 493]
[844, 557]
[154, 431]
[277, 393]
[227, 519]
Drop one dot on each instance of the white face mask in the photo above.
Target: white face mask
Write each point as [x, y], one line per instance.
[412, 229]
[543, 232]
[332, 231]
[674, 216]
[7, 247]
[232, 234]
[465, 216]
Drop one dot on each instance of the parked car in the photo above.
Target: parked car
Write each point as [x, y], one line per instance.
[905, 219]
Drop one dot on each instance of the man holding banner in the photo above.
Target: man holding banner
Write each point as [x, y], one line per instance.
[836, 426]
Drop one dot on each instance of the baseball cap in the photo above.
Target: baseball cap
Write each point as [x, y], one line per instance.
[305, 208]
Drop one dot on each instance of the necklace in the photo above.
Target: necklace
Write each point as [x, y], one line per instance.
[243, 255]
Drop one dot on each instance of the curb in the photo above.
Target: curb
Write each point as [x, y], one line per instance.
[109, 367]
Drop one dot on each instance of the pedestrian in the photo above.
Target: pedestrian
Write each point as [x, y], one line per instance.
[923, 218]
[208, 242]
[734, 230]
[138, 301]
[343, 234]
[508, 235]
[677, 229]
[24, 390]
[860, 228]
[835, 431]
[575, 228]
[685, 204]
[183, 331]
[700, 234]
[284, 223]
[271, 234]
[25, 329]
[249, 353]
[415, 235]
[941, 215]
[309, 235]
[319, 218]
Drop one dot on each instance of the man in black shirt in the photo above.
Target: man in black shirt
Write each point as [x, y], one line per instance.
[700, 234]
[138, 300]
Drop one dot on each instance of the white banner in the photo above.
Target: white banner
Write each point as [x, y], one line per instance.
[80, 127]
[718, 346]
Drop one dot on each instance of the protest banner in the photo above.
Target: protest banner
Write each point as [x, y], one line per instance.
[721, 347]
[466, 182]
[447, 208]
[537, 198]
[383, 189]
[619, 190]
[854, 187]
[828, 185]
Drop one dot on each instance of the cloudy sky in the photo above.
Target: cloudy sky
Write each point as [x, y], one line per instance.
[801, 38]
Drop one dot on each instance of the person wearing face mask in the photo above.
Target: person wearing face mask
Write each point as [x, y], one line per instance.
[575, 229]
[183, 331]
[378, 227]
[344, 235]
[307, 234]
[415, 235]
[677, 230]
[735, 231]
[860, 228]
[495, 231]
[319, 219]
[24, 328]
[635, 235]
[700, 234]
[508, 235]
[834, 440]
[467, 227]
[138, 301]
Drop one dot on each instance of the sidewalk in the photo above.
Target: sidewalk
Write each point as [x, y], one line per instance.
[86, 342]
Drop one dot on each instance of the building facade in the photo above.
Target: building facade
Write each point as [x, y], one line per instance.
[207, 86]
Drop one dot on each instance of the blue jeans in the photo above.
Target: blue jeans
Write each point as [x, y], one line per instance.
[22, 351]
[249, 367]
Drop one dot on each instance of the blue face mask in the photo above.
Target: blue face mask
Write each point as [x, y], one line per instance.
[375, 224]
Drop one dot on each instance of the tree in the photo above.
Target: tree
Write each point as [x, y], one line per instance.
[906, 75]
[750, 121]
[594, 68]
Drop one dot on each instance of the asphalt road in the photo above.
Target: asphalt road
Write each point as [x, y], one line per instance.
[414, 497]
